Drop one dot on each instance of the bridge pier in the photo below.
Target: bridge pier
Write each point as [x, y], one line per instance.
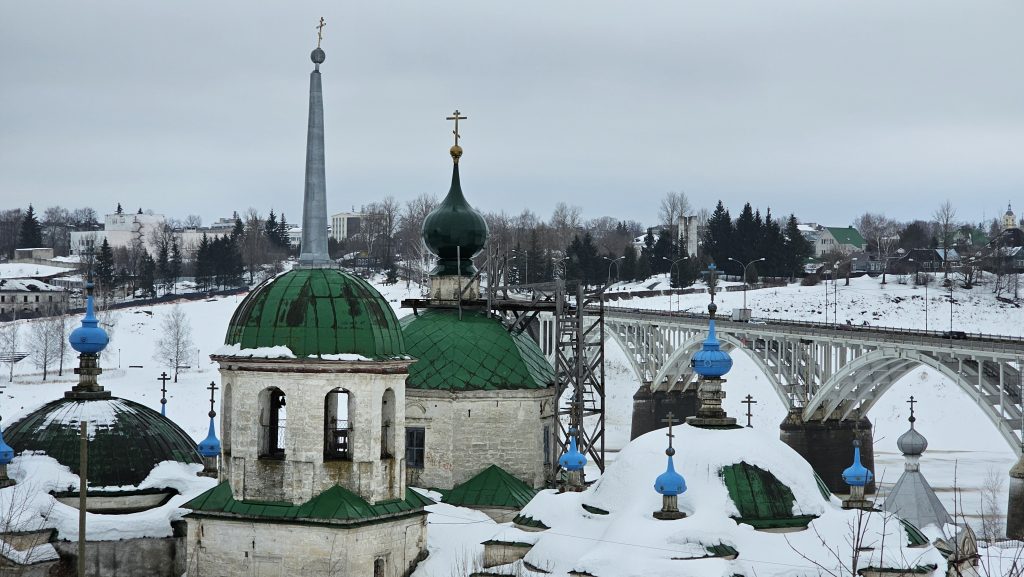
[828, 446]
[650, 408]
[1015, 503]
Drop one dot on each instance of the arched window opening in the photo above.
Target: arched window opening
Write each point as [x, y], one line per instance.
[273, 419]
[337, 425]
[387, 425]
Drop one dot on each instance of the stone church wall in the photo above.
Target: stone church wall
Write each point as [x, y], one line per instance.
[465, 432]
[242, 548]
[302, 472]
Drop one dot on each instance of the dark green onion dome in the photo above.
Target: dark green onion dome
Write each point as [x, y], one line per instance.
[454, 229]
[317, 311]
[126, 439]
[476, 353]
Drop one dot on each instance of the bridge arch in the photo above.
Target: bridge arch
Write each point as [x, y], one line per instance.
[677, 365]
[866, 379]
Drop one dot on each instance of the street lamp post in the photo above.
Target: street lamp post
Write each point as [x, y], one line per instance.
[672, 266]
[527, 253]
[745, 278]
[917, 277]
[612, 261]
[835, 295]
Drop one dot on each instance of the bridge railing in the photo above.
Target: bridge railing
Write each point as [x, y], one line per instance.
[864, 329]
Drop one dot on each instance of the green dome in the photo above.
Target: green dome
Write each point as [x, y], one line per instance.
[126, 439]
[476, 353]
[454, 229]
[317, 311]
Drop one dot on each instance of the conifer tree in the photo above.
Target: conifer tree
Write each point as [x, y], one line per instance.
[163, 265]
[797, 248]
[147, 274]
[747, 234]
[202, 263]
[31, 233]
[627, 266]
[718, 235]
[174, 264]
[105, 267]
[270, 229]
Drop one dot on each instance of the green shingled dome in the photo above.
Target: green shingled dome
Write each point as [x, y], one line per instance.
[126, 439]
[476, 353]
[318, 311]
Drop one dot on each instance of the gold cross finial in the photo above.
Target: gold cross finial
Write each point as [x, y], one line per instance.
[456, 116]
[320, 31]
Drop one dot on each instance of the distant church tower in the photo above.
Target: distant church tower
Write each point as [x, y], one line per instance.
[1009, 220]
[313, 414]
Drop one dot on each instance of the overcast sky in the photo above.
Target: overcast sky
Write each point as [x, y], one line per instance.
[825, 108]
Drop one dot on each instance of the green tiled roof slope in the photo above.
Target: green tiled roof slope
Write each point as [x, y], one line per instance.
[762, 500]
[848, 235]
[318, 311]
[126, 439]
[475, 353]
[492, 487]
[334, 504]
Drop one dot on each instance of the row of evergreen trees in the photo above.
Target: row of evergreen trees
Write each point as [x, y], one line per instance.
[751, 237]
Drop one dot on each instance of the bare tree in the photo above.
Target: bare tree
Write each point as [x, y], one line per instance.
[175, 344]
[944, 218]
[44, 343]
[673, 206]
[9, 341]
[192, 221]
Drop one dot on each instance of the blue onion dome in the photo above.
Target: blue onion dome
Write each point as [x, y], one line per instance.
[711, 360]
[670, 483]
[89, 338]
[6, 452]
[912, 443]
[454, 229]
[210, 446]
[573, 459]
[857, 475]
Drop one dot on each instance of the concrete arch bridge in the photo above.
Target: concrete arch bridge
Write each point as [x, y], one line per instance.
[828, 376]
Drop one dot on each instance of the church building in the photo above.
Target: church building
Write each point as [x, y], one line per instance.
[312, 475]
[480, 394]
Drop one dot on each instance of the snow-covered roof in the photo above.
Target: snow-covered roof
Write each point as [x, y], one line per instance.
[628, 540]
[28, 270]
[26, 285]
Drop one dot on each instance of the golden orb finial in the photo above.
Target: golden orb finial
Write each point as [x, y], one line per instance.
[456, 152]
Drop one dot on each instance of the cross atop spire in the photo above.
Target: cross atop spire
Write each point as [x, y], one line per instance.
[456, 116]
[911, 402]
[213, 387]
[670, 419]
[320, 31]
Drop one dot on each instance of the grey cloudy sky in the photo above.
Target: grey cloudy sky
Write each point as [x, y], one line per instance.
[826, 108]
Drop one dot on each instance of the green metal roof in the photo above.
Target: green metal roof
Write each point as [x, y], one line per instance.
[848, 235]
[527, 521]
[915, 538]
[317, 311]
[492, 487]
[763, 501]
[334, 504]
[474, 353]
[126, 439]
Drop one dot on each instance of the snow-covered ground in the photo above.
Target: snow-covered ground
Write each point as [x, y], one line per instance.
[28, 270]
[964, 455]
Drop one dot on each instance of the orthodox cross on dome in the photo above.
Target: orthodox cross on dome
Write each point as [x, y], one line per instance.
[456, 116]
[712, 280]
[670, 419]
[320, 31]
[748, 401]
[911, 402]
[163, 378]
[213, 387]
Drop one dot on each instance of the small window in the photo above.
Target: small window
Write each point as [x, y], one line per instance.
[415, 445]
[378, 567]
[547, 445]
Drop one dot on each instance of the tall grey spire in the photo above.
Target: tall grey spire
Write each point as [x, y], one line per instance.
[314, 205]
